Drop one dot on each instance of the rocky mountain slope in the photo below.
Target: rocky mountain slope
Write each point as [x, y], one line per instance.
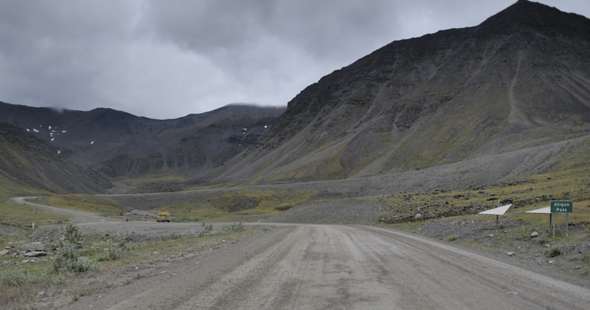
[33, 163]
[496, 101]
[519, 80]
[120, 144]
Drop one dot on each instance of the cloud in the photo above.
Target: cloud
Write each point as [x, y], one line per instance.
[169, 58]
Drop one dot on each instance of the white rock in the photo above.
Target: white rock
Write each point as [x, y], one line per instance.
[510, 253]
[534, 234]
[35, 253]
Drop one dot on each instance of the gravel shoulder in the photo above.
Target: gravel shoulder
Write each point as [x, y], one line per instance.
[515, 242]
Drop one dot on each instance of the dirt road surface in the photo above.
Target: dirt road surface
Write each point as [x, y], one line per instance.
[342, 267]
[299, 266]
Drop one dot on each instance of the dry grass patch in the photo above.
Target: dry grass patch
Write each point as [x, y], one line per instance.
[97, 205]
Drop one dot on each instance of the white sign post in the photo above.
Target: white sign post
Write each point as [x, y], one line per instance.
[497, 212]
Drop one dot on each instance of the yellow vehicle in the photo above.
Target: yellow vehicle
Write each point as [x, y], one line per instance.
[163, 217]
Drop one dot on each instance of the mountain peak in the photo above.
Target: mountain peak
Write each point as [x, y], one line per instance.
[536, 16]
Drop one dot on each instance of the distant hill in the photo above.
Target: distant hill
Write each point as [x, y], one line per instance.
[31, 162]
[121, 144]
[518, 80]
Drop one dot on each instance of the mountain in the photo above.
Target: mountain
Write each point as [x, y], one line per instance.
[519, 80]
[496, 96]
[33, 163]
[121, 144]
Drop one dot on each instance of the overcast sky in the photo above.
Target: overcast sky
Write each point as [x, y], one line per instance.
[165, 59]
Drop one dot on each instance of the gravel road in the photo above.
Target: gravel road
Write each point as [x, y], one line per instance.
[304, 266]
[341, 267]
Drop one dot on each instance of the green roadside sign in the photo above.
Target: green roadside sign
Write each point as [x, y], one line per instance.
[562, 206]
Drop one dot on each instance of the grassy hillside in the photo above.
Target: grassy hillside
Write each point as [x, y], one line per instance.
[531, 192]
[32, 163]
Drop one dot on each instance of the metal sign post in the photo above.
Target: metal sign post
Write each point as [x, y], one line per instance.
[557, 206]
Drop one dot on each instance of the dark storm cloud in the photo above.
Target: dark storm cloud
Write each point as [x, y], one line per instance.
[169, 58]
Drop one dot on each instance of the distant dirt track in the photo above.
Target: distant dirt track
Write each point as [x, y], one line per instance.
[92, 223]
[75, 215]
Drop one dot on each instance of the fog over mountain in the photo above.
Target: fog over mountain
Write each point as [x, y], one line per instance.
[193, 56]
